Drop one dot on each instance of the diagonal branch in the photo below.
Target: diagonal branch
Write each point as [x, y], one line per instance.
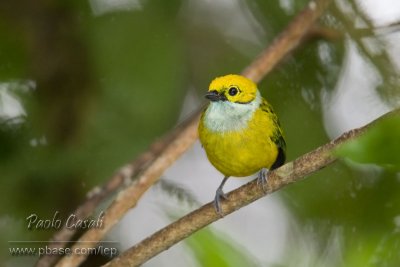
[244, 195]
[128, 197]
[98, 194]
[186, 135]
[289, 39]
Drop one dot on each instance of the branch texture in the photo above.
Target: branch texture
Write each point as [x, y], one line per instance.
[246, 194]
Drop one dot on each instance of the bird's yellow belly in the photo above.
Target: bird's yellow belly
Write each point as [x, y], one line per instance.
[240, 153]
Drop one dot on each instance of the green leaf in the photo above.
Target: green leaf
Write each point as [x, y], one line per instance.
[379, 145]
[212, 250]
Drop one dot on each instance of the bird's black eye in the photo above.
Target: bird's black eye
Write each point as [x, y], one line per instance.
[233, 91]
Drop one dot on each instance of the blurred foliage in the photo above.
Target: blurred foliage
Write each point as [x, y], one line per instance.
[379, 145]
[218, 251]
[96, 86]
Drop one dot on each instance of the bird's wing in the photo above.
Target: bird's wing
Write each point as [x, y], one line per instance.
[277, 135]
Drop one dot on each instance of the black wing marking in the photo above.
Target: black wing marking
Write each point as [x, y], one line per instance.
[277, 136]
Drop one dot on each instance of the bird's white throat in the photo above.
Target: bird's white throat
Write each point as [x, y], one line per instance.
[223, 116]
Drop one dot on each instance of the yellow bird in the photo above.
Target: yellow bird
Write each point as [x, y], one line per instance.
[240, 132]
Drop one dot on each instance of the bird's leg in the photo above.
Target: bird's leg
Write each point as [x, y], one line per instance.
[218, 195]
[262, 178]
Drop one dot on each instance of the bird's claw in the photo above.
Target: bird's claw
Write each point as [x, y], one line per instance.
[217, 200]
[262, 179]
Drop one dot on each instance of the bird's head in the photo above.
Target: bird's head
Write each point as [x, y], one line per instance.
[232, 88]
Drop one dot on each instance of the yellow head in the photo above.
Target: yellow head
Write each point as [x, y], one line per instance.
[232, 88]
[234, 99]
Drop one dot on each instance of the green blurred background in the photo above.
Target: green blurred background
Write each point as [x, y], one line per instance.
[85, 86]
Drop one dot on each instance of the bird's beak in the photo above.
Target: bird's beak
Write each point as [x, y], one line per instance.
[214, 96]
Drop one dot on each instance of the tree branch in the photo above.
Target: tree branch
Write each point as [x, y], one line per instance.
[186, 135]
[286, 41]
[289, 173]
[97, 195]
[128, 197]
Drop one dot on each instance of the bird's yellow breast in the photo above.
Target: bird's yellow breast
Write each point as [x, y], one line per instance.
[242, 151]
